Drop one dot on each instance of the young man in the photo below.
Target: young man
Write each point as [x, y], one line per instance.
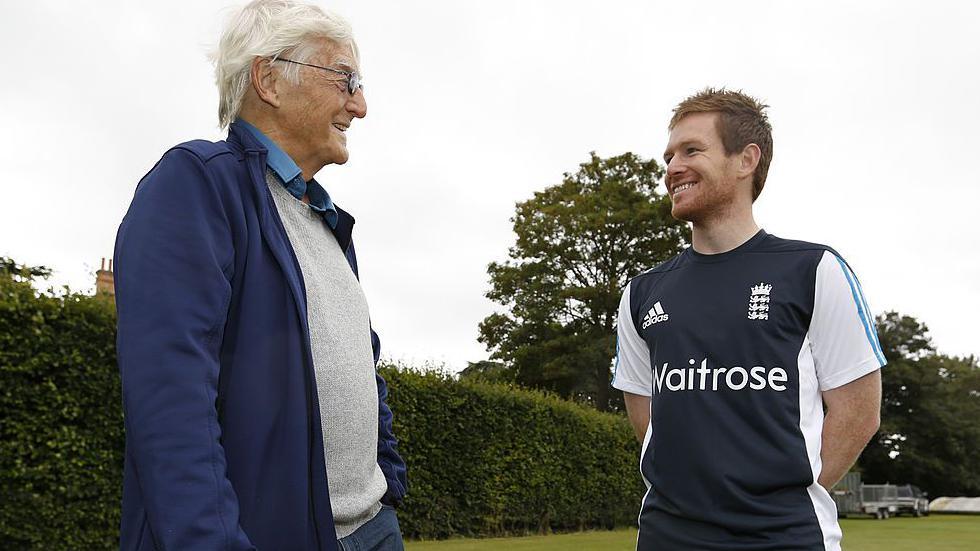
[729, 352]
[255, 418]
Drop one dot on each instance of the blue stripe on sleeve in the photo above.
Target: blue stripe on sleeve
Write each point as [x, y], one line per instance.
[867, 310]
[874, 331]
[863, 313]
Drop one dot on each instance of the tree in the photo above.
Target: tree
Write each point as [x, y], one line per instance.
[487, 372]
[930, 414]
[578, 242]
[22, 273]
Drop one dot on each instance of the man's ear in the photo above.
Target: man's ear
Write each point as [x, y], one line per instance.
[265, 81]
[748, 160]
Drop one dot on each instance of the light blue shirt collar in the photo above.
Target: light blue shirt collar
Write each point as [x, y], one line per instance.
[291, 177]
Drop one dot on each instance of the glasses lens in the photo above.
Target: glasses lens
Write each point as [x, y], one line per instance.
[353, 83]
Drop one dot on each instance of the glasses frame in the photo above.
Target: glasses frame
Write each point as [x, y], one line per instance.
[353, 79]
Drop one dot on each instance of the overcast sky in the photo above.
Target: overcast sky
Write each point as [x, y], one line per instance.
[473, 106]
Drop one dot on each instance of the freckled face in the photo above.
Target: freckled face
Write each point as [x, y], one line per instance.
[701, 178]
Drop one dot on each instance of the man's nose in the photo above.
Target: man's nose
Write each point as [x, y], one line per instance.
[357, 105]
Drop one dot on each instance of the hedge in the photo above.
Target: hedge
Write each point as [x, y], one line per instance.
[483, 459]
[486, 459]
[61, 434]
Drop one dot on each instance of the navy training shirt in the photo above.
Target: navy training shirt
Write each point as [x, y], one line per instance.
[735, 350]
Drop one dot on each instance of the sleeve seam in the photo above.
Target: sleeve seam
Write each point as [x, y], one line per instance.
[859, 370]
[631, 387]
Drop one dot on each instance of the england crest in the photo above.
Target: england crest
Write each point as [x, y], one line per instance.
[759, 301]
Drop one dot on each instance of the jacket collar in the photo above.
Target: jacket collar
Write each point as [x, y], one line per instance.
[345, 226]
[243, 140]
[278, 160]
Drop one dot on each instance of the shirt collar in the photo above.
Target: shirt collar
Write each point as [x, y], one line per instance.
[291, 177]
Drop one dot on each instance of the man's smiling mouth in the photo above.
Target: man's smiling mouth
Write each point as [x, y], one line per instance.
[681, 187]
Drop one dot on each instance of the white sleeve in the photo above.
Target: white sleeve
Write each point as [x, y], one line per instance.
[633, 373]
[843, 338]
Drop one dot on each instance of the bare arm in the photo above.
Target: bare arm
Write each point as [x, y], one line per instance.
[638, 410]
[853, 416]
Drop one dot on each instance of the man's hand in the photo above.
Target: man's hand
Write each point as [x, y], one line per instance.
[638, 410]
[853, 417]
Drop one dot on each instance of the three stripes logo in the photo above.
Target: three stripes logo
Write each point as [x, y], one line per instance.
[655, 315]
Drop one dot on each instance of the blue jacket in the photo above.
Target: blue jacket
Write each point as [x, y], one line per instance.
[224, 448]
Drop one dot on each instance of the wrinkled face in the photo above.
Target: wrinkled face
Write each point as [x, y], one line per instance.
[701, 179]
[318, 111]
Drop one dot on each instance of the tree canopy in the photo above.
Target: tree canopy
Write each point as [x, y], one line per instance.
[20, 272]
[930, 414]
[578, 243]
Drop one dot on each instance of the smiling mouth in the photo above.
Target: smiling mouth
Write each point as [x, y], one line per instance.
[679, 188]
[340, 127]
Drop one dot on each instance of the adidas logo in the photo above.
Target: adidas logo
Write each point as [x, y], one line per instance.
[655, 315]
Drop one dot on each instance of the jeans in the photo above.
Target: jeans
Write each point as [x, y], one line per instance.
[379, 534]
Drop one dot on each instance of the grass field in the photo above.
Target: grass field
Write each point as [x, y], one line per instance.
[936, 532]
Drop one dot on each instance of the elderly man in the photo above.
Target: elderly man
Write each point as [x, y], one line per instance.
[254, 415]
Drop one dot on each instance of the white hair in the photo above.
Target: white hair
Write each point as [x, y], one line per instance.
[270, 28]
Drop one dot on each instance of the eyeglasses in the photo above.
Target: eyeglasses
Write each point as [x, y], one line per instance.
[353, 79]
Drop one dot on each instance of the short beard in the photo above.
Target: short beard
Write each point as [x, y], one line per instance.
[717, 209]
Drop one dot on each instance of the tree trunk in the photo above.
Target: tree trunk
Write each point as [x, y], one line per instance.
[603, 391]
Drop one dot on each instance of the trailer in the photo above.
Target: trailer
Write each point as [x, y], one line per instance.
[880, 500]
[912, 500]
[853, 497]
